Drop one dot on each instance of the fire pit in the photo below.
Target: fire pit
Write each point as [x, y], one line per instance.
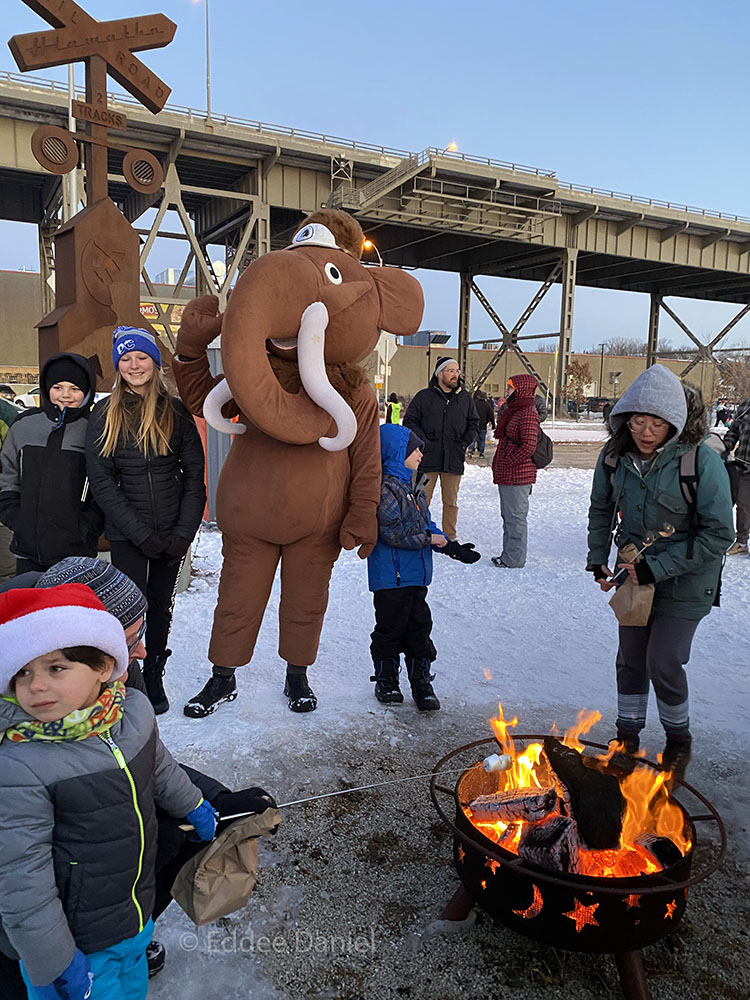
[539, 877]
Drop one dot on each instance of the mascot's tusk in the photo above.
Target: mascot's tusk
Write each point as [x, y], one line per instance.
[217, 397]
[310, 347]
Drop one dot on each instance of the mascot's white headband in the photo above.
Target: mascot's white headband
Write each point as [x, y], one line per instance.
[314, 235]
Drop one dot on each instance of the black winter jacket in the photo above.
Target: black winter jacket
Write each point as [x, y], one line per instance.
[44, 493]
[141, 495]
[79, 836]
[446, 422]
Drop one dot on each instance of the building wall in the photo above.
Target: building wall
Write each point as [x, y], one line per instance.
[411, 369]
[20, 311]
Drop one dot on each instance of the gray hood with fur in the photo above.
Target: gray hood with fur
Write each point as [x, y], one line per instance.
[658, 392]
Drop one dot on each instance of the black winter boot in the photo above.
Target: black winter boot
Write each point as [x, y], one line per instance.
[218, 689]
[676, 756]
[387, 690]
[301, 696]
[153, 678]
[156, 957]
[421, 689]
[624, 748]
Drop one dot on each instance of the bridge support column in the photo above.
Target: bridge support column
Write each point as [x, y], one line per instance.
[464, 309]
[569, 259]
[653, 329]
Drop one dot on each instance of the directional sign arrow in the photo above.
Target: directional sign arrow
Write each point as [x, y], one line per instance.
[79, 36]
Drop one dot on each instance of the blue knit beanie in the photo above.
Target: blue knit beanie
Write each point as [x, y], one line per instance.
[131, 338]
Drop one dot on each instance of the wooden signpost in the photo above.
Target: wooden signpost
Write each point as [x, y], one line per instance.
[97, 251]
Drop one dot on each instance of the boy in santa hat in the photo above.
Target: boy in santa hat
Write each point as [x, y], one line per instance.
[81, 764]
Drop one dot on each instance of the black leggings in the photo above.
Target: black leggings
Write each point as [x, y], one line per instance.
[157, 579]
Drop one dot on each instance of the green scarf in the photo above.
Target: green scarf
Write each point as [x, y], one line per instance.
[78, 725]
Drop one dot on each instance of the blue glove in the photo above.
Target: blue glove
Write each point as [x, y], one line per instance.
[203, 819]
[72, 984]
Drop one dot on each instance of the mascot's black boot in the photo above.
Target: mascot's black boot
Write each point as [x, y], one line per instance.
[153, 678]
[421, 689]
[387, 690]
[301, 696]
[219, 688]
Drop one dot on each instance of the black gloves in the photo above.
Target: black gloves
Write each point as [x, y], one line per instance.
[177, 548]
[152, 547]
[598, 572]
[246, 800]
[643, 573]
[464, 553]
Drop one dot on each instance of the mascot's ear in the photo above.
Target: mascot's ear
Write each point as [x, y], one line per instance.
[401, 300]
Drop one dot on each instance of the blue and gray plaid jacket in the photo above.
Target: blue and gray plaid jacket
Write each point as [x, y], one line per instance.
[403, 554]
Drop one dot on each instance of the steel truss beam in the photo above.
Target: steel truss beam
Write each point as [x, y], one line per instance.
[511, 336]
[704, 352]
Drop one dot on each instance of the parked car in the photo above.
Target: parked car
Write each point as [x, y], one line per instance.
[6, 392]
[596, 403]
[28, 399]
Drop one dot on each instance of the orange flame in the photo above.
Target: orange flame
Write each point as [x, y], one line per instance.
[585, 722]
[487, 674]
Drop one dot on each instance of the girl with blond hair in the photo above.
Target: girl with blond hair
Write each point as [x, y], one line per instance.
[145, 463]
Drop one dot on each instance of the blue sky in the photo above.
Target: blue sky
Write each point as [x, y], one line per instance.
[641, 98]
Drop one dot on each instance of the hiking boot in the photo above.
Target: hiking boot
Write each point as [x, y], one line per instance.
[624, 748]
[301, 696]
[216, 691]
[676, 756]
[738, 549]
[156, 957]
[421, 689]
[498, 561]
[153, 678]
[387, 690]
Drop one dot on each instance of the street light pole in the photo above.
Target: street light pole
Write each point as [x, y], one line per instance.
[601, 372]
[208, 65]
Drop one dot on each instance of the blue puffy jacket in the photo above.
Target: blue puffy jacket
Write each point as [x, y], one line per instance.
[403, 554]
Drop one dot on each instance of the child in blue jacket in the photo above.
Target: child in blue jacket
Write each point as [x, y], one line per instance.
[399, 572]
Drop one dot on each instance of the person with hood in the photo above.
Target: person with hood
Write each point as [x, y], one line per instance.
[486, 414]
[146, 465]
[637, 488]
[399, 571]
[513, 470]
[44, 492]
[444, 416]
[393, 410]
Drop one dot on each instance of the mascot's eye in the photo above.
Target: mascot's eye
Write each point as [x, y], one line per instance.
[333, 274]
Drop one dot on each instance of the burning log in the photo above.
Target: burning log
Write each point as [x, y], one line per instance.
[661, 848]
[593, 799]
[530, 804]
[551, 843]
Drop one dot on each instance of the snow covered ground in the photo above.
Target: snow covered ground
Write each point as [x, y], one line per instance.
[545, 634]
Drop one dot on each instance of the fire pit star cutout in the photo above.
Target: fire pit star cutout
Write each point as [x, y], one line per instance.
[583, 915]
[492, 865]
[633, 900]
[461, 853]
[483, 884]
[671, 907]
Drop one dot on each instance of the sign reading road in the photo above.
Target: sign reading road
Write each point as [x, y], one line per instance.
[78, 36]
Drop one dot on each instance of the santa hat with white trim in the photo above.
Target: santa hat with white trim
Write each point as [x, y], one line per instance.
[35, 622]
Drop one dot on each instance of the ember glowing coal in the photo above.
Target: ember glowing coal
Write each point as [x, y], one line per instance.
[564, 810]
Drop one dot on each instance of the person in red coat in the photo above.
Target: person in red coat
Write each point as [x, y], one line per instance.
[513, 470]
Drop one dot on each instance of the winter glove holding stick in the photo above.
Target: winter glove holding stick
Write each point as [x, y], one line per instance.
[203, 820]
[464, 553]
[72, 984]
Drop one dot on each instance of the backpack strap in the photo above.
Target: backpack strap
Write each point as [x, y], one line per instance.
[689, 487]
[611, 461]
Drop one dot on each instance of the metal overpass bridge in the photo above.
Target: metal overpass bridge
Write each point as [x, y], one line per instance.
[245, 185]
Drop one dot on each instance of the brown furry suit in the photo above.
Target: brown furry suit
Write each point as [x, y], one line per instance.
[281, 496]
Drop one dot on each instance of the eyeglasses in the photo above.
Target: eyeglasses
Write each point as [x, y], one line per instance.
[647, 423]
[138, 639]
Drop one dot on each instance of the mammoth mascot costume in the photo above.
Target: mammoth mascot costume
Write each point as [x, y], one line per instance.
[302, 478]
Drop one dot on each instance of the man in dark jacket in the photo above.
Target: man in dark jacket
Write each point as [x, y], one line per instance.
[445, 417]
[738, 436]
[486, 414]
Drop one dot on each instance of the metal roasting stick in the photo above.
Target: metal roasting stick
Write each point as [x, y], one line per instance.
[329, 795]
[650, 538]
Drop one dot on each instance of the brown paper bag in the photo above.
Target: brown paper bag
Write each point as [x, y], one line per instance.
[632, 602]
[220, 879]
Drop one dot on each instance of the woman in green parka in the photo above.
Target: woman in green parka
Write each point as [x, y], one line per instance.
[637, 491]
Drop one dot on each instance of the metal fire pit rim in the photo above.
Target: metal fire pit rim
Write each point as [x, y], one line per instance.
[666, 886]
